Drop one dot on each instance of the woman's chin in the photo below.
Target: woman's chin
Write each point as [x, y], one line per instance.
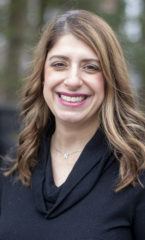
[73, 119]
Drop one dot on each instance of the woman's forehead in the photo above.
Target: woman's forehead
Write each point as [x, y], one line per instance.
[70, 45]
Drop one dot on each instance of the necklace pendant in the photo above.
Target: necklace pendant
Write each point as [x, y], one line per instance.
[65, 155]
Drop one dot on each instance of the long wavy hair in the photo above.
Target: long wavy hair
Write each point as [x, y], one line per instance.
[123, 123]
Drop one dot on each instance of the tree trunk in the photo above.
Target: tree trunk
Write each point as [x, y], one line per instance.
[16, 38]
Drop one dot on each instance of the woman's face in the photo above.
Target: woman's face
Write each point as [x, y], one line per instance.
[73, 81]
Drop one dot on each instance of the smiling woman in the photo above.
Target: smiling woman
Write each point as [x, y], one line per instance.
[80, 166]
[73, 83]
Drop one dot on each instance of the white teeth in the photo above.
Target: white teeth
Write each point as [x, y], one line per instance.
[72, 99]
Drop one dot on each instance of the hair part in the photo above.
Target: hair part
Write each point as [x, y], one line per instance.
[123, 123]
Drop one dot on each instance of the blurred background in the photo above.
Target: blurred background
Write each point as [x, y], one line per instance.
[21, 24]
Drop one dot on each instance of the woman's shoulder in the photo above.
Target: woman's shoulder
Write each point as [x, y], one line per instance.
[139, 207]
[8, 161]
[139, 188]
[141, 181]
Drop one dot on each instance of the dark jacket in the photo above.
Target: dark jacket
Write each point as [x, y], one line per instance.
[85, 207]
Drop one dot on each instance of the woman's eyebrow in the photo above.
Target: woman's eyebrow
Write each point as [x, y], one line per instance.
[67, 58]
[91, 59]
[59, 56]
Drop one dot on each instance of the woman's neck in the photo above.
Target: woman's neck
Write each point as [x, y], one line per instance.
[73, 137]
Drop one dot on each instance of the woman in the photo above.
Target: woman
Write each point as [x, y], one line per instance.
[81, 156]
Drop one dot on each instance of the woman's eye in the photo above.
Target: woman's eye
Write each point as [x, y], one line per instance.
[58, 65]
[92, 68]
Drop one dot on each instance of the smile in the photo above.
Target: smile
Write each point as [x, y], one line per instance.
[73, 100]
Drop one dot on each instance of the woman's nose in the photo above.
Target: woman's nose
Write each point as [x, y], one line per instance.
[73, 80]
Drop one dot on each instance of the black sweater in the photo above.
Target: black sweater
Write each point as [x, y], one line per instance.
[85, 207]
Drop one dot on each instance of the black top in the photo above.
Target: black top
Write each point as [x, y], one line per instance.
[85, 207]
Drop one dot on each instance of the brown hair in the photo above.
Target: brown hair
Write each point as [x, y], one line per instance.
[123, 124]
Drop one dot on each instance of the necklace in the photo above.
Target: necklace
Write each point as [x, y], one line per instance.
[66, 155]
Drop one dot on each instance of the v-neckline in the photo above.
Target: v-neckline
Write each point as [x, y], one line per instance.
[52, 200]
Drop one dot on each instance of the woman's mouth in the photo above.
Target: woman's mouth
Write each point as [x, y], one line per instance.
[73, 100]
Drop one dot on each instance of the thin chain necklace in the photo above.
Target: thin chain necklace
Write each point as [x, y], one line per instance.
[66, 155]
